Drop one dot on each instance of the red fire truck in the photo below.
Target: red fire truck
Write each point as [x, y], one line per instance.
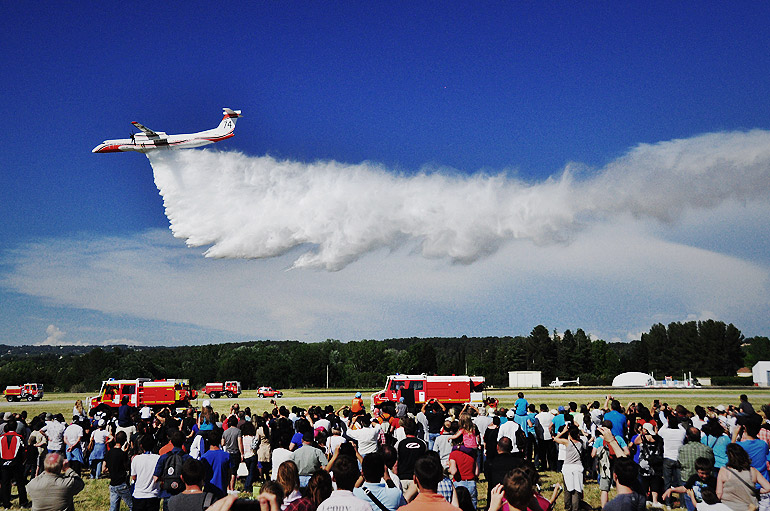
[229, 388]
[144, 391]
[417, 389]
[28, 392]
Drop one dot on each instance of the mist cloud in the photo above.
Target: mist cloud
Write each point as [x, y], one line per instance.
[259, 207]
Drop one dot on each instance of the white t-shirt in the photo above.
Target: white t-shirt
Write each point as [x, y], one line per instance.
[143, 468]
[344, 500]
[73, 434]
[333, 442]
[509, 429]
[279, 456]
[481, 422]
[545, 419]
[54, 430]
[366, 438]
[712, 507]
[100, 436]
[672, 441]
[322, 423]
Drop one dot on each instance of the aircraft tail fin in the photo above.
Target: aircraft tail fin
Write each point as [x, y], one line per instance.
[228, 121]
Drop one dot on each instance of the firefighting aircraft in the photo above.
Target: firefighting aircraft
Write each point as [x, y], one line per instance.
[149, 140]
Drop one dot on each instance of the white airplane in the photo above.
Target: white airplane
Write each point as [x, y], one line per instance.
[560, 383]
[150, 140]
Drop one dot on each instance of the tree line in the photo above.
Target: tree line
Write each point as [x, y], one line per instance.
[706, 348]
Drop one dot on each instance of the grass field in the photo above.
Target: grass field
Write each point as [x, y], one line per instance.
[96, 494]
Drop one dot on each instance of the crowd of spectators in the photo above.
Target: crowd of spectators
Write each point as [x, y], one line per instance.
[425, 459]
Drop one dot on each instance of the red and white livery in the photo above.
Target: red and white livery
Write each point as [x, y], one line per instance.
[417, 389]
[149, 140]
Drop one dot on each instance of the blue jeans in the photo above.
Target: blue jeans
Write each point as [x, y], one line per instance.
[432, 439]
[671, 477]
[121, 491]
[471, 485]
[687, 502]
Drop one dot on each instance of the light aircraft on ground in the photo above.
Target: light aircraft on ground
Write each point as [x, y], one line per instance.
[149, 140]
[560, 383]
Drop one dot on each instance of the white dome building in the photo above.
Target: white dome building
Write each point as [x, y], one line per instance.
[633, 379]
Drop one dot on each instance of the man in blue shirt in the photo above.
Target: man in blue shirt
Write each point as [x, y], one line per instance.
[616, 417]
[373, 470]
[217, 464]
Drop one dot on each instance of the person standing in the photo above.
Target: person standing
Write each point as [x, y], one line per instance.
[146, 491]
[673, 438]
[546, 449]
[232, 441]
[497, 467]
[54, 431]
[118, 465]
[410, 449]
[53, 489]
[217, 464]
[308, 459]
[73, 435]
[12, 452]
[435, 413]
[463, 469]
[572, 469]
[357, 405]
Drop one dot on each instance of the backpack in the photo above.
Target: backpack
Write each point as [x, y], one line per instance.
[171, 478]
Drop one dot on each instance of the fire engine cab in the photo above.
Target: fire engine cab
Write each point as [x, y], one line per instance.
[28, 392]
[420, 388]
[144, 391]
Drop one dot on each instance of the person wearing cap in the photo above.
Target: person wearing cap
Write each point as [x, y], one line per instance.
[650, 462]
[308, 458]
[509, 430]
[357, 405]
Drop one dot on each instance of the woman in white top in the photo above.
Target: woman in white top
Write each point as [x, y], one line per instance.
[572, 469]
[98, 448]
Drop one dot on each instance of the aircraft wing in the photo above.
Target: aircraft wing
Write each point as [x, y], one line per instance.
[147, 131]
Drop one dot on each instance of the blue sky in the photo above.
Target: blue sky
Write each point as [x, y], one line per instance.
[388, 91]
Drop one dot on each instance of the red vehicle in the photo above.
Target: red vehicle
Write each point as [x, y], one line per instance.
[229, 388]
[143, 391]
[269, 392]
[417, 389]
[27, 392]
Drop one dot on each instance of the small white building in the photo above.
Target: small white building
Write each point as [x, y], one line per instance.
[761, 373]
[633, 379]
[524, 379]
